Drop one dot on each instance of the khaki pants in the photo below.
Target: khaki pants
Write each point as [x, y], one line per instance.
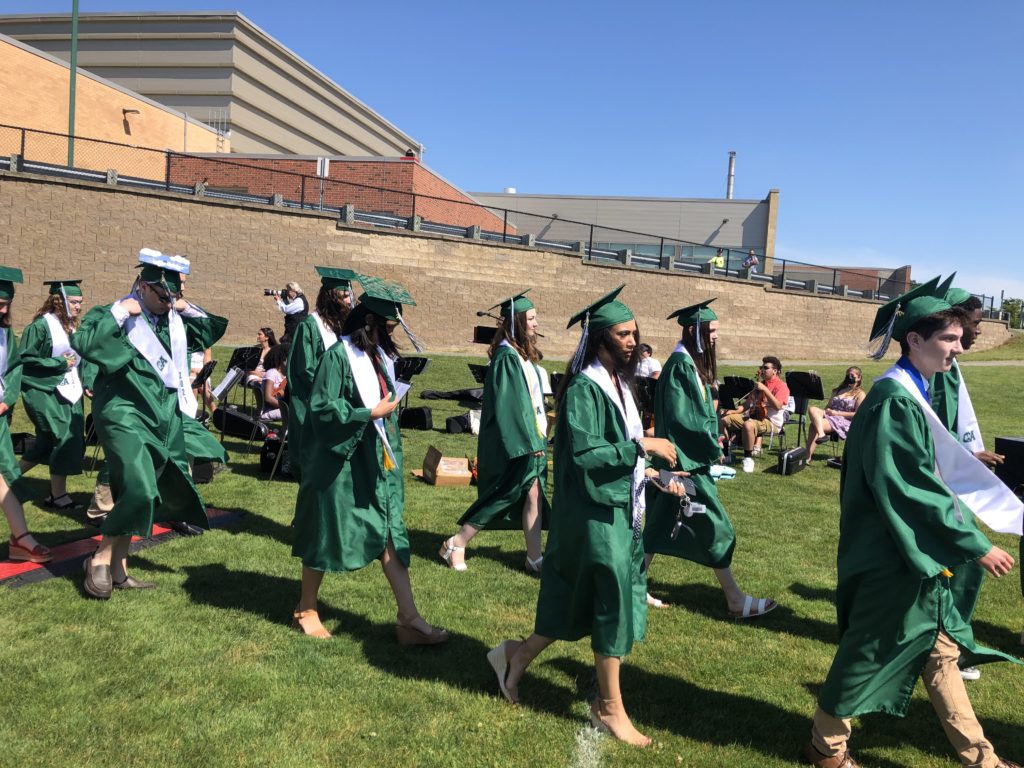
[948, 695]
[102, 501]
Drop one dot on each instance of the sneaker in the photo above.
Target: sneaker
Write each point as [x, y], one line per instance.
[970, 673]
[748, 464]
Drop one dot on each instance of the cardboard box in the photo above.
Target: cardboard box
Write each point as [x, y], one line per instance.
[445, 470]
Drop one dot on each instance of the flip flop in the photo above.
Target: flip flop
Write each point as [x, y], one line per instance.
[498, 659]
[653, 602]
[752, 610]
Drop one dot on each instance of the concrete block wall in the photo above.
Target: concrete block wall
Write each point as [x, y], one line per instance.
[60, 229]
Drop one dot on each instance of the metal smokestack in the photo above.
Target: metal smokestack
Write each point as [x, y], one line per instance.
[732, 176]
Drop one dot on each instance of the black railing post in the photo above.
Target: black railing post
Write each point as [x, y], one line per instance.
[413, 207]
[504, 228]
[302, 192]
[590, 247]
[22, 144]
[833, 281]
[661, 256]
[167, 172]
[783, 285]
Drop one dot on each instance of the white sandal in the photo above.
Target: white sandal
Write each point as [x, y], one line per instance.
[445, 553]
[533, 566]
[653, 602]
[752, 609]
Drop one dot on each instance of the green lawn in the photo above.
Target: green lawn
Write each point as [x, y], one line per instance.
[205, 671]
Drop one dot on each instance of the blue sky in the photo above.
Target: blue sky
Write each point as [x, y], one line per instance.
[892, 130]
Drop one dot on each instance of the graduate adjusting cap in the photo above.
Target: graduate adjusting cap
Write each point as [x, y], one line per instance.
[694, 314]
[953, 295]
[893, 320]
[603, 313]
[8, 277]
[162, 269]
[336, 277]
[517, 303]
[70, 287]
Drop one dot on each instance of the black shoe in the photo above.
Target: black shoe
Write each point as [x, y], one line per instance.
[98, 582]
[185, 529]
[63, 503]
[95, 522]
[131, 582]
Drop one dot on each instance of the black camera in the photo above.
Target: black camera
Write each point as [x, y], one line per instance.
[271, 292]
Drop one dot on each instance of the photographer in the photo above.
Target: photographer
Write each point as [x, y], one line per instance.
[293, 303]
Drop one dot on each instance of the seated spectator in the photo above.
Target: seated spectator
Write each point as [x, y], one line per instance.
[274, 382]
[648, 365]
[265, 339]
[836, 417]
[763, 411]
[197, 360]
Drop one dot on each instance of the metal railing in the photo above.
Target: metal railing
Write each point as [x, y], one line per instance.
[251, 181]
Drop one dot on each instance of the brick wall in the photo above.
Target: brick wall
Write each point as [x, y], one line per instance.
[366, 184]
[55, 229]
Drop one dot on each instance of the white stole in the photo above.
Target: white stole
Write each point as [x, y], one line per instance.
[174, 373]
[968, 479]
[535, 388]
[4, 336]
[968, 431]
[634, 429]
[70, 386]
[327, 336]
[368, 385]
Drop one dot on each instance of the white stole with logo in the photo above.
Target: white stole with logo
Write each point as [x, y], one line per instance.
[70, 386]
[368, 385]
[535, 388]
[173, 372]
[968, 431]
[327, 336]
[968, 479]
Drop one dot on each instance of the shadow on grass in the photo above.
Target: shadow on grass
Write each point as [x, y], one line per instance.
[807, 592]
[254, 524]
[461, 662]
[709, 601]
[1001, 638]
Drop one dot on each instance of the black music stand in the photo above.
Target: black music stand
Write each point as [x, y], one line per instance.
[405, 369]
[734, 388]
[247, 359]
[200, 381]
[803, 387]
[479, 372]
[484, 334]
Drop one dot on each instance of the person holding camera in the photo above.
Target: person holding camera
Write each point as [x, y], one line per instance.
[293, 303]
[684, 412]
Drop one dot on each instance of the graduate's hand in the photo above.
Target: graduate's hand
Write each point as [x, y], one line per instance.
[989, 458]
[88, 393]
[180, 305]
[384, 407]
[659, 446]
[997, 562]
[4, 408]
[131, 306]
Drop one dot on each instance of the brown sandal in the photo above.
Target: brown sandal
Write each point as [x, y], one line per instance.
[19, 553]
[320, 633]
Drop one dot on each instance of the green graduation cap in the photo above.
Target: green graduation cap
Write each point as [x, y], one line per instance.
[517, 303]
[8, 277]
[951, 294]
[598, 315]
[694, 314]
[67, 287]
[894, 319]
[385, 299]
[336, 277]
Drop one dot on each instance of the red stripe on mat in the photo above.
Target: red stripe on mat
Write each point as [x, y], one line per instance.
[77, 548]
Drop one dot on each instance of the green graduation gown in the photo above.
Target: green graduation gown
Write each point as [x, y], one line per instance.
[899, 530]
[685, 414]
[304, 355]
[348, 504]
[60, 425]
[593, 582]
[140, 427]
[509, 438]
[201, 445]
[12, 389]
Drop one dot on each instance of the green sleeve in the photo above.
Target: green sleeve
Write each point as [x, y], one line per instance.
[604, 456]
[204, 332]
[337, 423]
[40, 370]
[303, 357]
[87, 373]
[931, 529]
[944, 392]
[505, 390]
[684, 417]
[12, 376]
[101, 341]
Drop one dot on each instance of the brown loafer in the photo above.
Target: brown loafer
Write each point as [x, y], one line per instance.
[811, 756]
[130, 582]
[98, 581]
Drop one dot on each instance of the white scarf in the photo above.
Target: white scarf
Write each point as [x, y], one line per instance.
[4, 335]
[634, 429]
[535, 388]
[327, 336]
[174, 373]
[368, 385]
[968, 479]
[70, 386]
[968, 431]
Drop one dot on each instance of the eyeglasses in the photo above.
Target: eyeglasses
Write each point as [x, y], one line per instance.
[161, 296]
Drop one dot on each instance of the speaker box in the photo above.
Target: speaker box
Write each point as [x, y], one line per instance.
[1011, 471]
[456, 425]
[416, 418]
[792, 460]
[234, 423]
[23, 441]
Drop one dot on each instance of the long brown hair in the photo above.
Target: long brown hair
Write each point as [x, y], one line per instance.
[362, 325]
[332, 309]
[522, 343]
[55, 304]
[594, 342]
[852, 389]
[706, 362]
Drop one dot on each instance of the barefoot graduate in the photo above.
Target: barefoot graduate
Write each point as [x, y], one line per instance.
[349, 510]
[593, 583]
[512, 449]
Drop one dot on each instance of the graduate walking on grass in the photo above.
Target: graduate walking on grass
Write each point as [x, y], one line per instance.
[593, 583]
[53, 391]
[350, 505]
[512, 449]
[684, 413]
[142, 396]
[908, 495]
[22, 546]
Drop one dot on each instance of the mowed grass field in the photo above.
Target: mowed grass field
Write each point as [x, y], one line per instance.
[204, 670]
